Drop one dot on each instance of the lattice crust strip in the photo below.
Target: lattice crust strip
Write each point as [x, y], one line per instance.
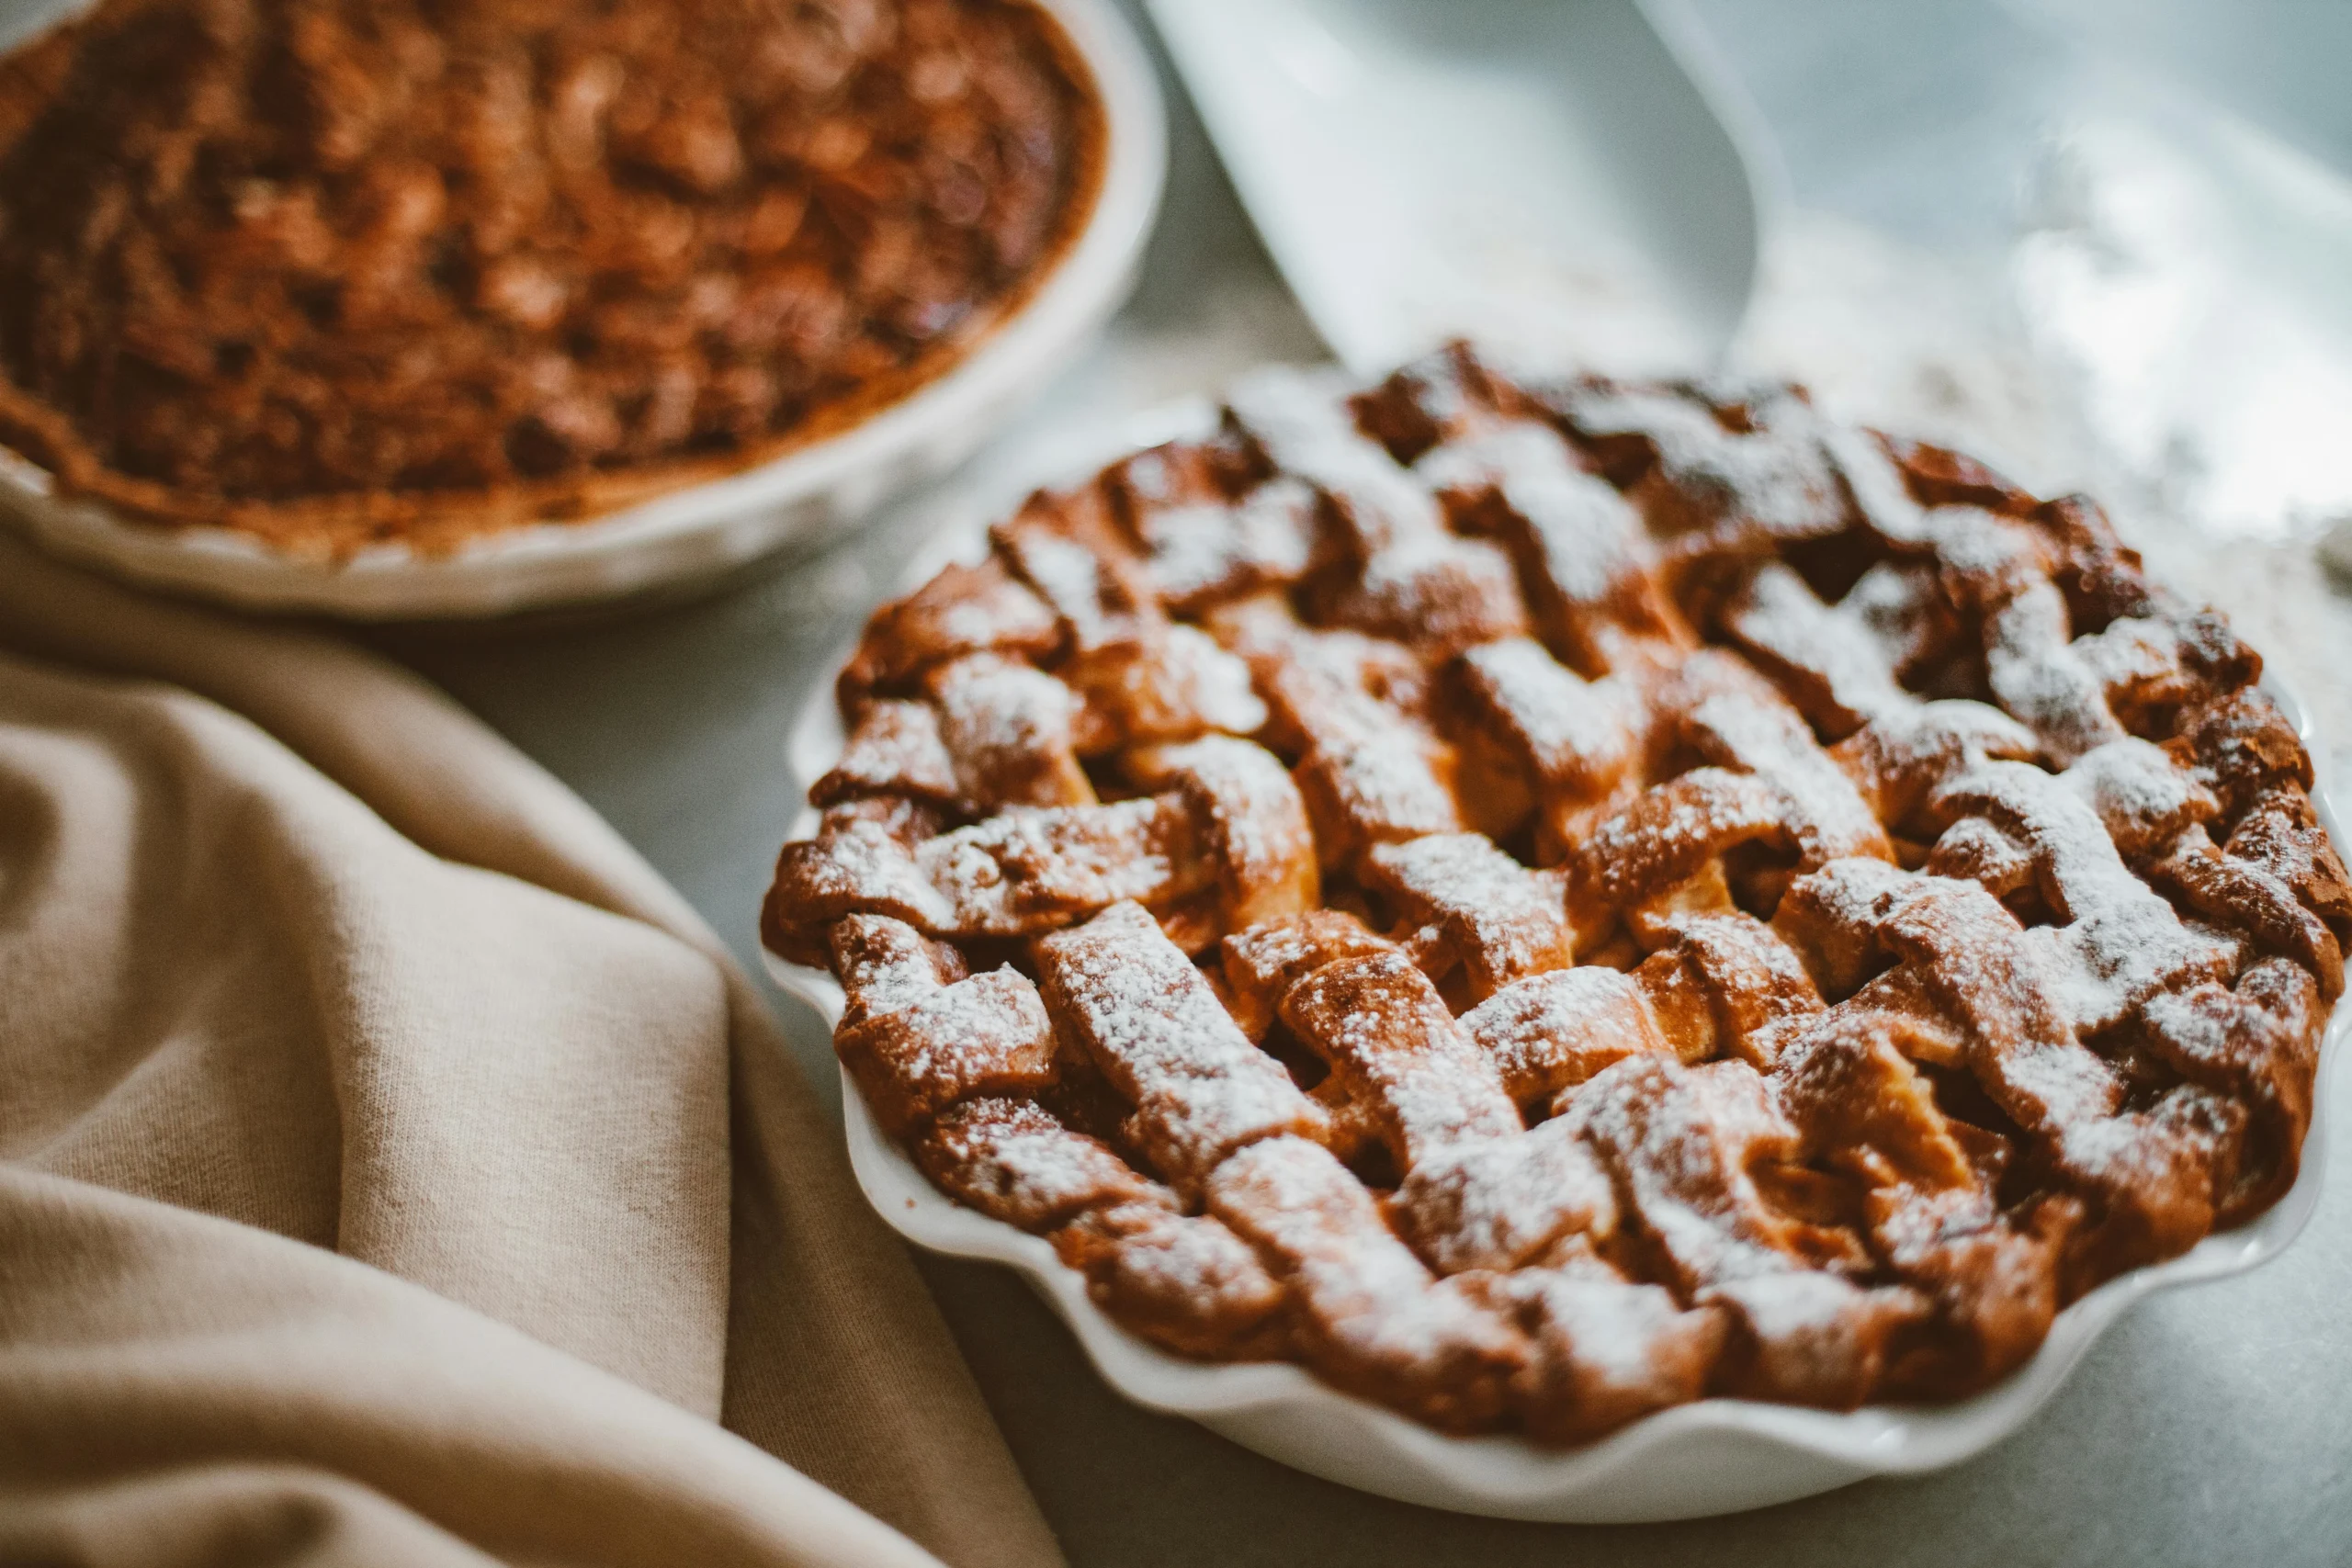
[1543, 900]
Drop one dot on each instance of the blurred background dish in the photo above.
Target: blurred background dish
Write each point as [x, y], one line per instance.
[239, 480]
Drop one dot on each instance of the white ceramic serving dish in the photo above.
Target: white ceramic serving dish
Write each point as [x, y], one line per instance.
[1715, 1456]
[700, 532]
[1579, 181]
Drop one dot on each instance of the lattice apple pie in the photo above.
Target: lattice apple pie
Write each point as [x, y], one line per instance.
[1540, 900]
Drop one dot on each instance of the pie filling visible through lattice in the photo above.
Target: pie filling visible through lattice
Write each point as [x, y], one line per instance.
[1544, 899]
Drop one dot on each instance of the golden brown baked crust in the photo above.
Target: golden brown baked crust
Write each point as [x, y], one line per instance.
[1545, 899]
[336, 271]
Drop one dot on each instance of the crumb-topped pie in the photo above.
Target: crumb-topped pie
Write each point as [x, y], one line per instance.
[1544, 899]
[339, 271]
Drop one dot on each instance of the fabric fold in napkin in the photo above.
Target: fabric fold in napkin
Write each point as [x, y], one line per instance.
[394, 1169]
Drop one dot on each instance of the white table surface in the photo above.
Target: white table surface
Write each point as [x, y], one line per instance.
[2214, 1426]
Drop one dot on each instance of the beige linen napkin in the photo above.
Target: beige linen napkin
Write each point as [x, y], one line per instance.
[394, 1169]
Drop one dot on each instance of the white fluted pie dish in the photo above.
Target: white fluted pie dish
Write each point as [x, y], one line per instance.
[1712, 1456]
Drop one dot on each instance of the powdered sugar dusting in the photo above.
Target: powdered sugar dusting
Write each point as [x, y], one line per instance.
[2044, 680]
[1578, 735]
[1007, 726]
[1160, 1035]
[2140, 797]
[1309, 433]
[1251, 815]
[1010, 1159]
[2121, 943]
[1777, 615]
[1371, 1314]
[1587, 536]
[1381, 1025]
[1209, 549]
[986, 1035]
[1774, 476]
[1501, 920]
[1550, 1032]
[1021, 870]
[1754, 731]
[884, 965]
[1496, 1202]
[895, 750]
[1680, 1143]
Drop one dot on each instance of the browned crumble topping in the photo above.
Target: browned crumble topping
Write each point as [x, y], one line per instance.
[341, 269]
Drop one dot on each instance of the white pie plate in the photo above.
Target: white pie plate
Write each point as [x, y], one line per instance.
[1715, 1455]
[700, 532]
